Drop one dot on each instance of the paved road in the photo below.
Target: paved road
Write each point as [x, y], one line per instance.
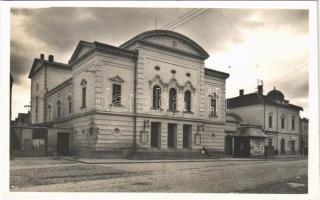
[211, 176]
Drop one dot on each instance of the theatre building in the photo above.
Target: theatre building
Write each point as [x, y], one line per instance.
[151, 94]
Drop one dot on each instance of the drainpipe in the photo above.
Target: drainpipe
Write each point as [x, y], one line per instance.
[277, 130]
[134, 105]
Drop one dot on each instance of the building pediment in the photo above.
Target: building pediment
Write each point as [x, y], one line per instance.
[171, 41]
[82, 48]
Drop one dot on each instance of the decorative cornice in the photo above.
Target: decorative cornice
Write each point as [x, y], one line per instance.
[215, 73]
[170, 49]
[117, 79]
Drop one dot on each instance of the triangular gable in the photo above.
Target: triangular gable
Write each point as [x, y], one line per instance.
[82, 48]
[35, 66]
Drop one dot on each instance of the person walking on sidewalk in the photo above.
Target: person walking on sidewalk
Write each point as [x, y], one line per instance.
[204, 151]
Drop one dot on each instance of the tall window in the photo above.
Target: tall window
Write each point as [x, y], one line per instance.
[58, 108]
[187, 100]
[116, 94]
[49, 112]
[83, 93]
[37, 103]
[173, 99]
[156, 99]
[270, 121]
[282, 122]
[70, 104]
[37, 86]
[293, 123]
[213, 106]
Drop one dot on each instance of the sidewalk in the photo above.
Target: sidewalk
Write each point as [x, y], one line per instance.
[134, 161]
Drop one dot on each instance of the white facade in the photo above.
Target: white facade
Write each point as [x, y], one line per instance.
[80, 101]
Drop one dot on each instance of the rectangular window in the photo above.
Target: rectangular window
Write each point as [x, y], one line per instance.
[37, 87]
[213, 106]
[83, 97]
[270, 121]
[37, 103]
[293, 124]
[116, 94]
[70, 107]
[59, 111]
[282, 123]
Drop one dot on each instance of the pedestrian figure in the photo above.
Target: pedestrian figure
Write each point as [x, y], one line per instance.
[204, 151]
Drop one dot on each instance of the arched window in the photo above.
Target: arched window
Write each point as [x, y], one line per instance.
[58, 108]
[84, 91]
[187, 100]
[156, 99]
[173, 99]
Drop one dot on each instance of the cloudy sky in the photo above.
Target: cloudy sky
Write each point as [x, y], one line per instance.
[271, 45]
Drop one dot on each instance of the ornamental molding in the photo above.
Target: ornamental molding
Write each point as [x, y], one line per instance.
[117, 79]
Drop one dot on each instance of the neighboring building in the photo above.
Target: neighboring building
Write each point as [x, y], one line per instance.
[243, 139]
[26, 140]
[304, 126]
[11, 84]
[278, 119]
[151, 94]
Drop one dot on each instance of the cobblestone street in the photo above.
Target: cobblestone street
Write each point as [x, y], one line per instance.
[208, 176]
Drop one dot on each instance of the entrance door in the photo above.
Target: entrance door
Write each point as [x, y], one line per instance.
[187, 132]
[172, 135]
[282, 146]
[63, 144]
[155, 135]
[228, 145]
[292, 146]
[241, 147]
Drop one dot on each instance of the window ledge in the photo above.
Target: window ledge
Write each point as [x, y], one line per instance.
[213, 115]
[117, 105]
[82, 107]
[160, 109]
[174, 111]
[189, 112]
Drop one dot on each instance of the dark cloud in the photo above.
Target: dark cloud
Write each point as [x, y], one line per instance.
[60, 29]
[20, 61]
[296, 86]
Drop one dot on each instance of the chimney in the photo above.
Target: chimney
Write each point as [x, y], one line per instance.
[241, 92]
[42, 56]
[260, 89]
[50, 58]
